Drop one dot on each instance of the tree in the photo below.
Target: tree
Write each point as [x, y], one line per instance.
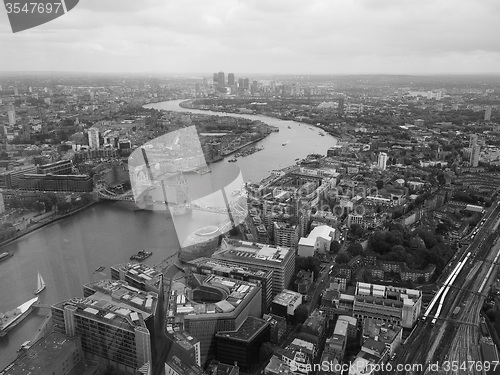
[38, 206]
[342, 258]
[379, 184]
[301, 313]
[335, 246]
[357, 230]
[355, 249]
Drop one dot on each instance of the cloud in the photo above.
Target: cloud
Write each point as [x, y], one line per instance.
[306, 36]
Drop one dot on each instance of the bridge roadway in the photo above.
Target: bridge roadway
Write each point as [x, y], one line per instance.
[455, 338]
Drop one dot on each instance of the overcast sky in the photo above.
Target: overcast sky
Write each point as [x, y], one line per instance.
[262, 36]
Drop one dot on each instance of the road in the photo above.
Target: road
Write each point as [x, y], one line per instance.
[455, 338]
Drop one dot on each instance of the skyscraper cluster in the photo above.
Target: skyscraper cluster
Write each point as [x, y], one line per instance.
[240, 86]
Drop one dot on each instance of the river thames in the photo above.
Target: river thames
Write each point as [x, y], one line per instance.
[67, 252]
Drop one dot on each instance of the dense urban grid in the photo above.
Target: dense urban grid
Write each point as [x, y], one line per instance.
[376, 255]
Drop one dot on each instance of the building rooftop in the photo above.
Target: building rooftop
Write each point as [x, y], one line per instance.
[239, 250]
[184, 369]
[227, 266]
[42, 354]
[287, 297]
[250, 328]
[115, 302]
[380, 331]
[234, 293]
[142, 273]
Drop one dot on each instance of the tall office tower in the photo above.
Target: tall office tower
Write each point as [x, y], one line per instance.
[215, 78]
[487, 114]
[93, 138]
[12, 114]
[246, 84]
[474, 156]
[254, 88]
[230, 79]
[473, 140]
[341, 106]
[382, 161]
[16, 91]
[221, 80]
[241, 84]
[1, 88]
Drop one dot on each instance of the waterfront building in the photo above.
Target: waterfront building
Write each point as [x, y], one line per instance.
[116, 322]
[279, 260]
[209, 304]
[201, 243]
[139, 275]
[242, 345]
[49, 182]
[11, 179]
[93, 134]
[394, 305]
[59, 167]
[261, 277]
[382, 161]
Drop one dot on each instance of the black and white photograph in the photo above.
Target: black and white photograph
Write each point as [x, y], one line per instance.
[249, 187]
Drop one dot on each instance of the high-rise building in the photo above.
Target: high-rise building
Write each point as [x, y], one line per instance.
[382, 161]
[93, 138]
[246, 84]
[254, 88]
[16, 91]
[230, 79]
[12, 114]
[472, 140]
[215, 78]
[487, 114]
[241, 84]
[474, 155]
[2, 204]
[221, 80]
[341, 106]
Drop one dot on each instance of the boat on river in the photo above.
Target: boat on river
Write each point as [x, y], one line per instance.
[40, 284]
[141, 255]
[5, 256]
[12, 318]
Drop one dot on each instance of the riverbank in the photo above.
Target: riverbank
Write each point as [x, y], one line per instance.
[188, 104]
[51, 219]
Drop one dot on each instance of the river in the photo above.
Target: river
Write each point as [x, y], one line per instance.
[67, 252]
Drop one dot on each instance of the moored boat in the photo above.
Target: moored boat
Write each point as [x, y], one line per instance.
[12, 318]
[141, 255]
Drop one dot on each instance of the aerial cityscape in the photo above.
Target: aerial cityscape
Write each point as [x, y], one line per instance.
[237, 189]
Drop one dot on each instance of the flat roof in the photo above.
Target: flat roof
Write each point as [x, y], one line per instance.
[250, 328]
[53, 348]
